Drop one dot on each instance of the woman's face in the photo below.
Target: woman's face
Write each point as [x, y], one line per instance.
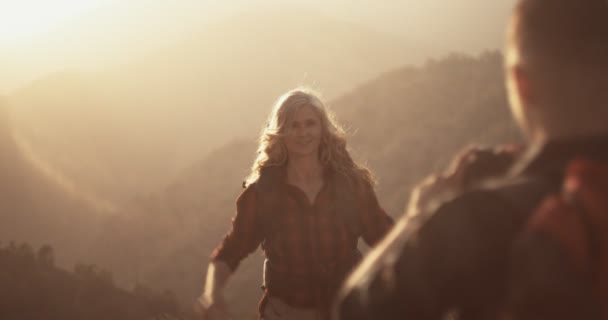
[303, 135]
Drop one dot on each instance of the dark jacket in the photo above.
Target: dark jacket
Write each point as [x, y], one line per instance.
[467, 259]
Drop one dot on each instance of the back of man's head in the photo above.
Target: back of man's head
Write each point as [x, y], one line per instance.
[561, 49]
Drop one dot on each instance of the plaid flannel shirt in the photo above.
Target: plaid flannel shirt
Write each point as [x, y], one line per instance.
[311, 242]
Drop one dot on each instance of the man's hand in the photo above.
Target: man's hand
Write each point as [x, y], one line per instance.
[469, 167]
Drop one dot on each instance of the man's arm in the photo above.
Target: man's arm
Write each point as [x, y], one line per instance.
[442, 250]
[434, 263]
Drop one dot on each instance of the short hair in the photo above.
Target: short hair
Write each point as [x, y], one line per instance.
[561, 32]
[563, 47]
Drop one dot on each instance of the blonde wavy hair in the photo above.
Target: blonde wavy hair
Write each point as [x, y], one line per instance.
[333, 153]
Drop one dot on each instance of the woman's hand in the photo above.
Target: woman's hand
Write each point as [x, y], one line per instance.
[211, 308]
[211, 304]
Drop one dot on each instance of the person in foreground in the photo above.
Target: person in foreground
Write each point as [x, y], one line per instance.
[307, 203]
[528, 245]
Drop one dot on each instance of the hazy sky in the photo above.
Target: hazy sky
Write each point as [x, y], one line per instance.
[24, 19]
[38, 37]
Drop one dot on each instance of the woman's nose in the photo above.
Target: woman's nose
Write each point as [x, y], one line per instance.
[301, 132]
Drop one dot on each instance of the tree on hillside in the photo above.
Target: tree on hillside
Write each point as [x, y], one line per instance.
[32, 287]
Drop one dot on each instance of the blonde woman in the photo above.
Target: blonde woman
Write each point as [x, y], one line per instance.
[307, 203]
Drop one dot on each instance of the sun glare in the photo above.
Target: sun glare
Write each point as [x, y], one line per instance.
[23, 19]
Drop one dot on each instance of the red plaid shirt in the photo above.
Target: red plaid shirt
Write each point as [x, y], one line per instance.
[312, 244]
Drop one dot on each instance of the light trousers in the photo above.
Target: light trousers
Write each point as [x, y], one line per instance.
[276, 309]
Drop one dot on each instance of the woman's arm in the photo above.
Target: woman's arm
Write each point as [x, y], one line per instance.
[244, 238]
[246, 233]
[211, 303]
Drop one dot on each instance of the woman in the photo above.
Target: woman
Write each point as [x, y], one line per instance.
[306, 202]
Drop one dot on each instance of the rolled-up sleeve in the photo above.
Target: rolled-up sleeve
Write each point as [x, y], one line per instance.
[245, 235]
[376, 223]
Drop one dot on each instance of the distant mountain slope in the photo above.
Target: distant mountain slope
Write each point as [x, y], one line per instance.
[166, 239]
[33, 287]
[141, 123]
[410, 122]
[37, 207]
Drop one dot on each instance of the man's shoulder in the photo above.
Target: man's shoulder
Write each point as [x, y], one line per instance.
[519, 192]
[499, 204]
